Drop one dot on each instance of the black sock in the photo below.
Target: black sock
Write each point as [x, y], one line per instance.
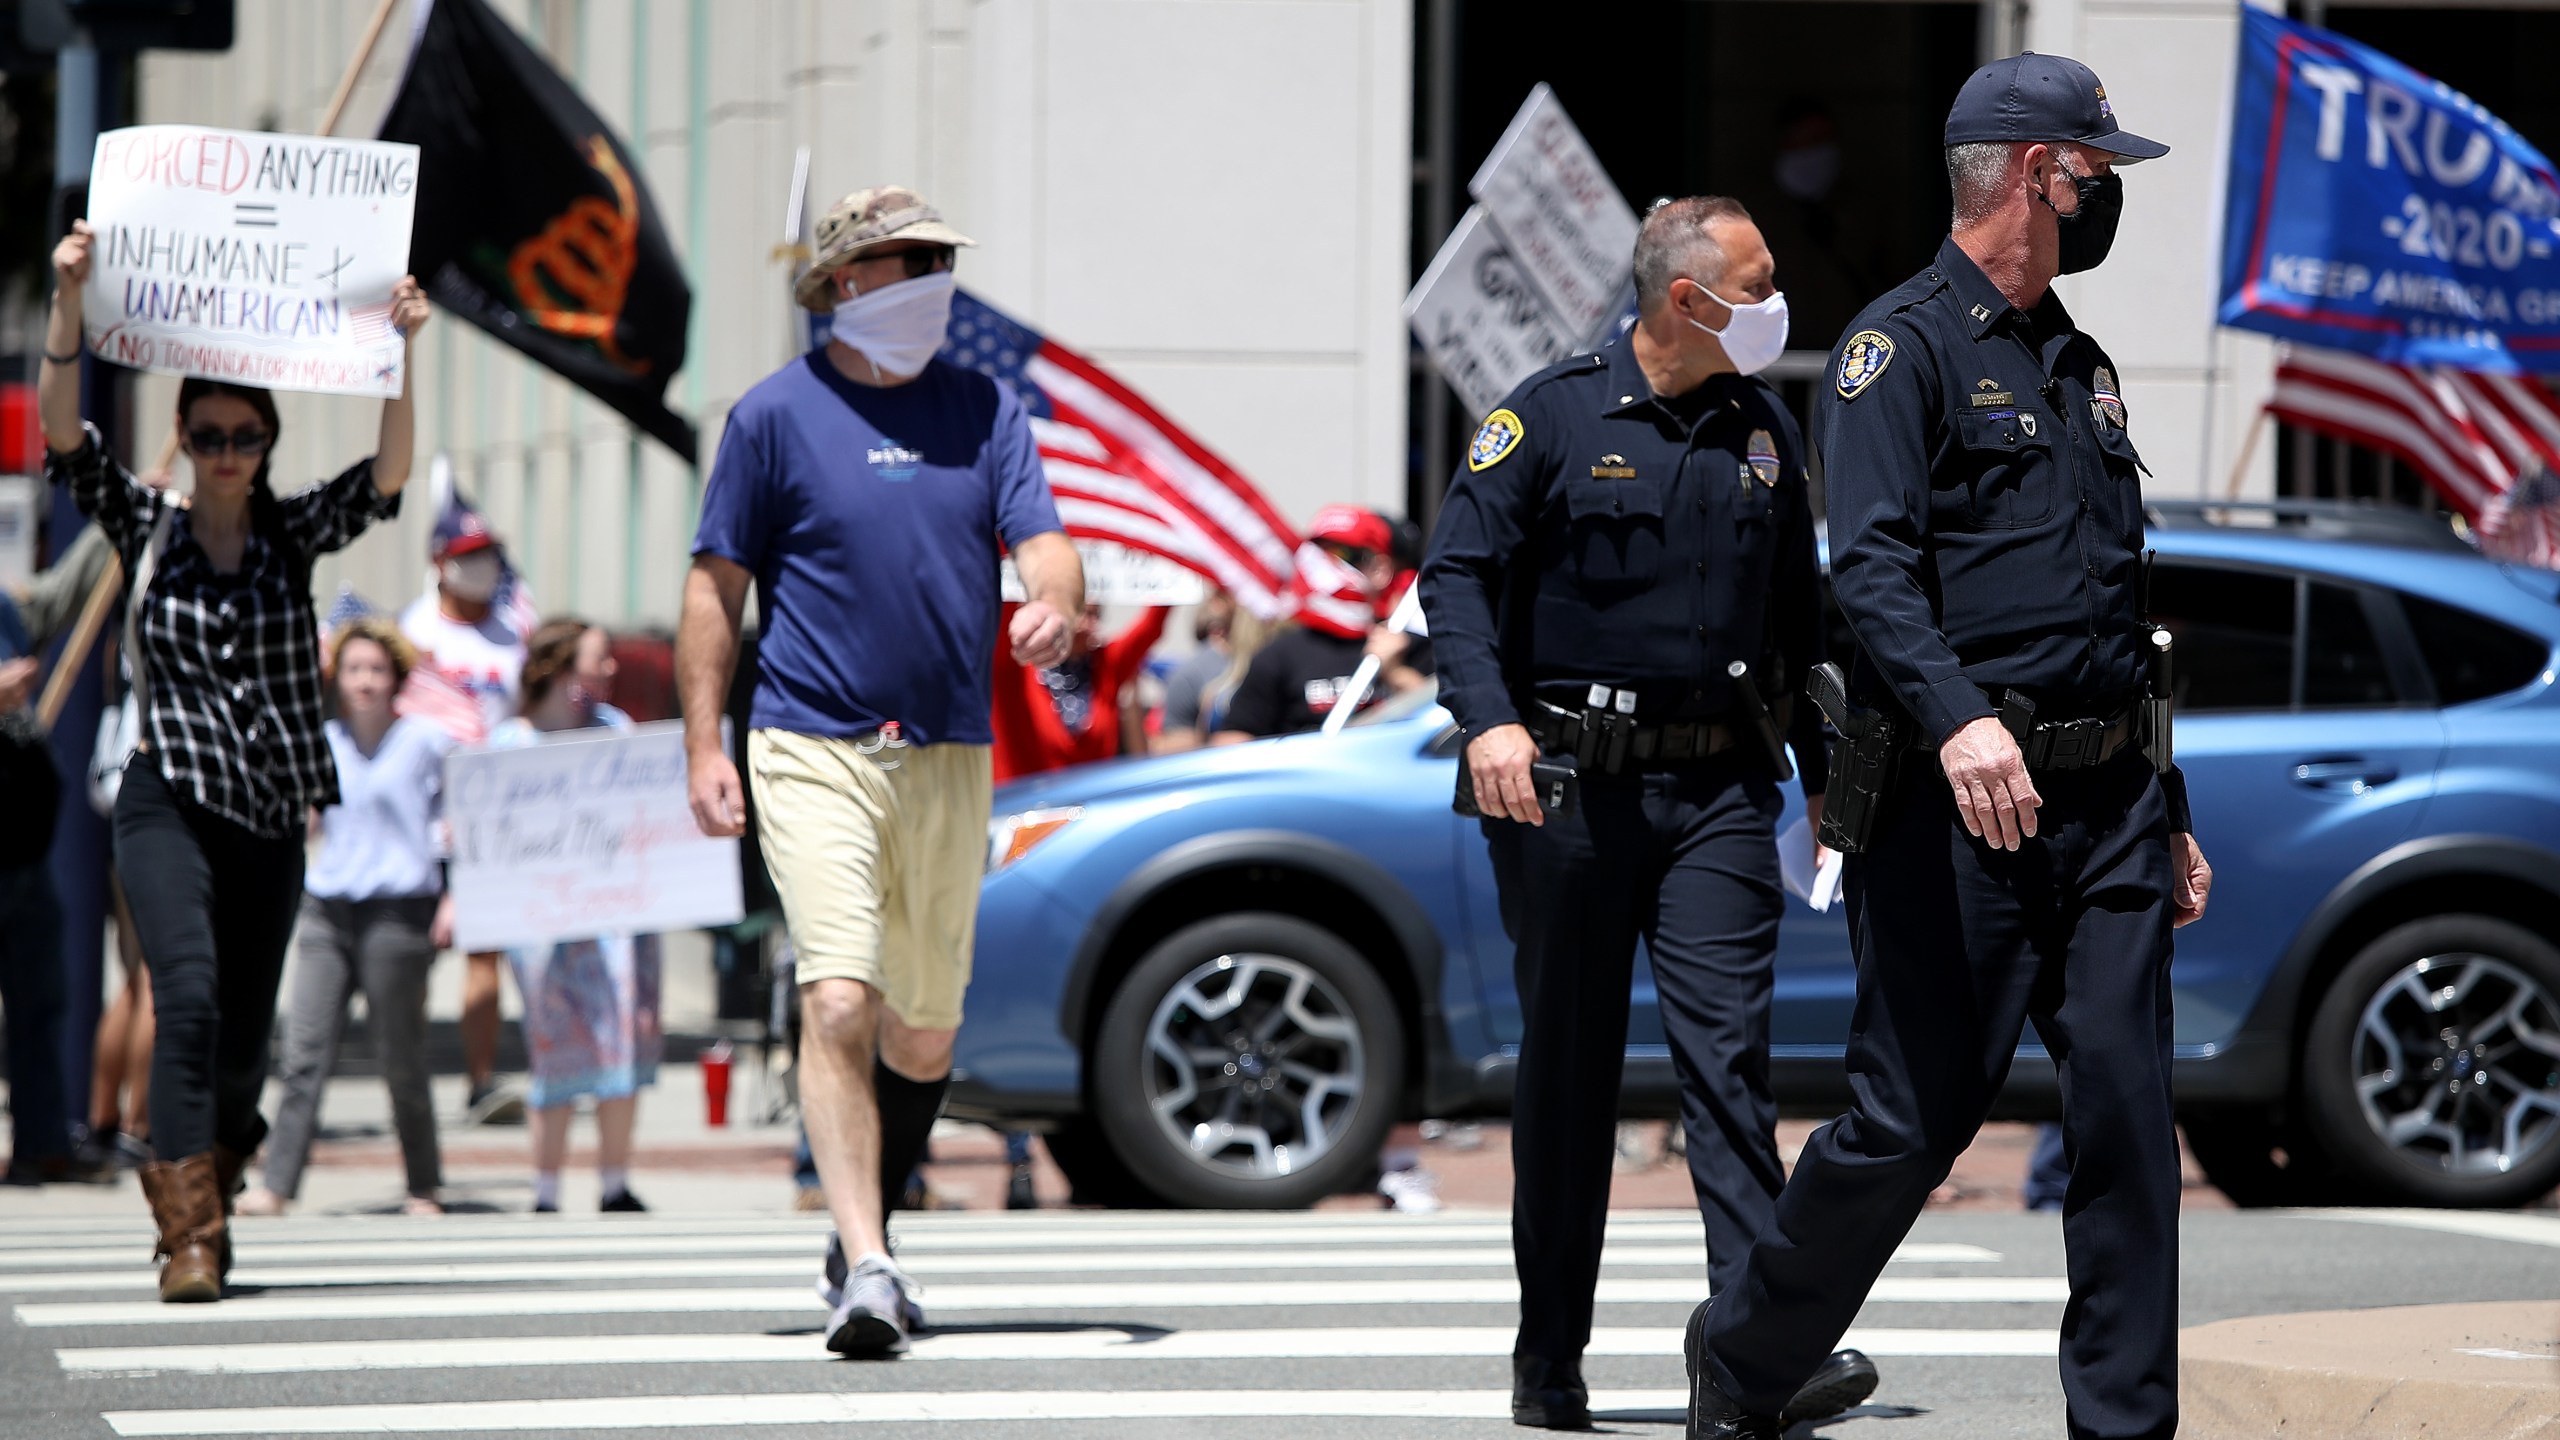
[908, 1109]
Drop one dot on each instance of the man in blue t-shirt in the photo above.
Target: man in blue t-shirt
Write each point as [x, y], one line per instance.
[867, 490]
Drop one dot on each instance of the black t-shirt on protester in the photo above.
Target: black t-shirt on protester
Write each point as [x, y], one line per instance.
[1293, 681]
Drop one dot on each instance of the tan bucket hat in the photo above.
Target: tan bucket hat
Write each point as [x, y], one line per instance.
[861, 220]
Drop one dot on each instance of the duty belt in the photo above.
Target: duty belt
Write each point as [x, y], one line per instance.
[1607, 740]
[2063, 744]
[2077, 744]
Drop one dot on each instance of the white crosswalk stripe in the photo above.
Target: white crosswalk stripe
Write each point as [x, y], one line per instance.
[305, 1357]
[662, 1412]
[1123, 1261]
[300, 1267]
[334, 1324]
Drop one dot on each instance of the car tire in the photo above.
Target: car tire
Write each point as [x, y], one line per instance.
[2257, 1162]
[2432, 1066]
[1299, 1111]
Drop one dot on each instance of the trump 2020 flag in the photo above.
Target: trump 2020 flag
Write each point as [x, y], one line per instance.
[534, 223]
[2375, 210]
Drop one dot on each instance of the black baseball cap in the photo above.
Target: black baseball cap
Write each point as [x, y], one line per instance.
[2035, 97]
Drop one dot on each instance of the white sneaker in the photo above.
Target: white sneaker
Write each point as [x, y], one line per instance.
[871, 1318]
[831, 1278]
[1410, 1192]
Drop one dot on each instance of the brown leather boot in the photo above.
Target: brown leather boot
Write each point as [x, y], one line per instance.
[227, 1165]
[188, 1209]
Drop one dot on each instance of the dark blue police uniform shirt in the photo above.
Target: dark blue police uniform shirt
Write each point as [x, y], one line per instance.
[1985, 504]
[1598, 534]
[871, 519]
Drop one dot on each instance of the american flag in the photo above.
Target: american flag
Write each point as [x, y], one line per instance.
[2523, 525]
[2487, 443]
[371, 324]
[1122, 472]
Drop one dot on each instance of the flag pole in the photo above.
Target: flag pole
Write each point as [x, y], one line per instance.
[2248, 452]
[355, 67]
[75, 654]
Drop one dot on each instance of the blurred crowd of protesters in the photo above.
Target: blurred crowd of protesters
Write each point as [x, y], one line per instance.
[450, 672]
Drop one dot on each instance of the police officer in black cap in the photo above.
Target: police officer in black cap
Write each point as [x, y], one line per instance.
[2031, 852]
[1624, 581]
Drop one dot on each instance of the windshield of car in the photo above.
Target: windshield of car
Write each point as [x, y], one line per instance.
[1397, 707]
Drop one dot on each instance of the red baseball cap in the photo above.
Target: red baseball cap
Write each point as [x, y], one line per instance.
[459, 531]
[1352, 526]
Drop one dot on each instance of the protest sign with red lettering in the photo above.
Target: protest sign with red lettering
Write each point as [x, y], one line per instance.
[247, 256]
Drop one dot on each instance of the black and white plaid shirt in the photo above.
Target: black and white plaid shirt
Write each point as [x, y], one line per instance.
[234, 660]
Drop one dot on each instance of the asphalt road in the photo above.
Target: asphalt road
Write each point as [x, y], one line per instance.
[1103, 1326]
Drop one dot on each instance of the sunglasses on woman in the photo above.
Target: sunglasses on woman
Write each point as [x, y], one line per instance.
[247, 442]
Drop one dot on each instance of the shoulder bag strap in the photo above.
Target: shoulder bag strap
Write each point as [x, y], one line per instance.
[144, 572]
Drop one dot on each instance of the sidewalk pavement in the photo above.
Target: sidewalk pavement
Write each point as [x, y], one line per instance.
[2483, 1372]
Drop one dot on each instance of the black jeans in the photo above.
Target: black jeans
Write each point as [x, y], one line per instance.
[1687, 860]
[214, 903]
[1959, 945]
[31, 990]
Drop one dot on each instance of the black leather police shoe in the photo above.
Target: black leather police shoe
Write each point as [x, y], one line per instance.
[1549, 1394]
[1714, 1415]
[1843, 1381]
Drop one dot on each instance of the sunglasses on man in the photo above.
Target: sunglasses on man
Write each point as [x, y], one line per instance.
[248, 442]
[919, 262]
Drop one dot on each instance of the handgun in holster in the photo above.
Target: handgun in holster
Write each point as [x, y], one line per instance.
[1862, 764]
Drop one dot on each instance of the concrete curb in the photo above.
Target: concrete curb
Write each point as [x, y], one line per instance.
[2420, 1372]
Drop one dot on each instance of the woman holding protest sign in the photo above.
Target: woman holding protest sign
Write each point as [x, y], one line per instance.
[590, 1005]
[225, 652]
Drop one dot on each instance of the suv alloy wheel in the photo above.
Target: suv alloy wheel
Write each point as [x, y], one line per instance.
[1252, 1061]
[2433, 1063]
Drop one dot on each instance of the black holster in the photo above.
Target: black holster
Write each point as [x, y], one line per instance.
[1862, 763]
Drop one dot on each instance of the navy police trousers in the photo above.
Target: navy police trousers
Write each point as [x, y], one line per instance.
[1958, 944]
[1685, 859]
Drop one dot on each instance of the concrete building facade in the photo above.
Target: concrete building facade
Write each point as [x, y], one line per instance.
[1213, 198]
[1207, 196]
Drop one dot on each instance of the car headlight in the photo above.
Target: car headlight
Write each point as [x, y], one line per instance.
[1010, 837]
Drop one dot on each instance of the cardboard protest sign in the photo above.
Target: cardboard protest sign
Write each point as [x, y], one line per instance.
[1485, 324]
[1114, 574]
[1559, 214]
[586, 833]
[260, 258]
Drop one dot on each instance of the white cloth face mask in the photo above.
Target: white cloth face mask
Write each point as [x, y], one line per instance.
[1754, 336]
[899, 326]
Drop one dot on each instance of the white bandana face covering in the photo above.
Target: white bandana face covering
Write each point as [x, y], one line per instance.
[898, 327]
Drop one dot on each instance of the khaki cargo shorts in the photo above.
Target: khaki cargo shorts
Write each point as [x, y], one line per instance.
[877, 857]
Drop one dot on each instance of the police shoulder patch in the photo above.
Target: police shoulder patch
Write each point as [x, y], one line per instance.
[1862, 360]
[1496, 437]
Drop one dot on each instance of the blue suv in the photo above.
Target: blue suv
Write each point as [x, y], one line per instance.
[1215, 979]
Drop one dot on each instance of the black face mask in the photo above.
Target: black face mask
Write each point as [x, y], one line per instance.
[2088, 233]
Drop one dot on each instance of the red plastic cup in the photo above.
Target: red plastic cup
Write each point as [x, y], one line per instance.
[715, 1084]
